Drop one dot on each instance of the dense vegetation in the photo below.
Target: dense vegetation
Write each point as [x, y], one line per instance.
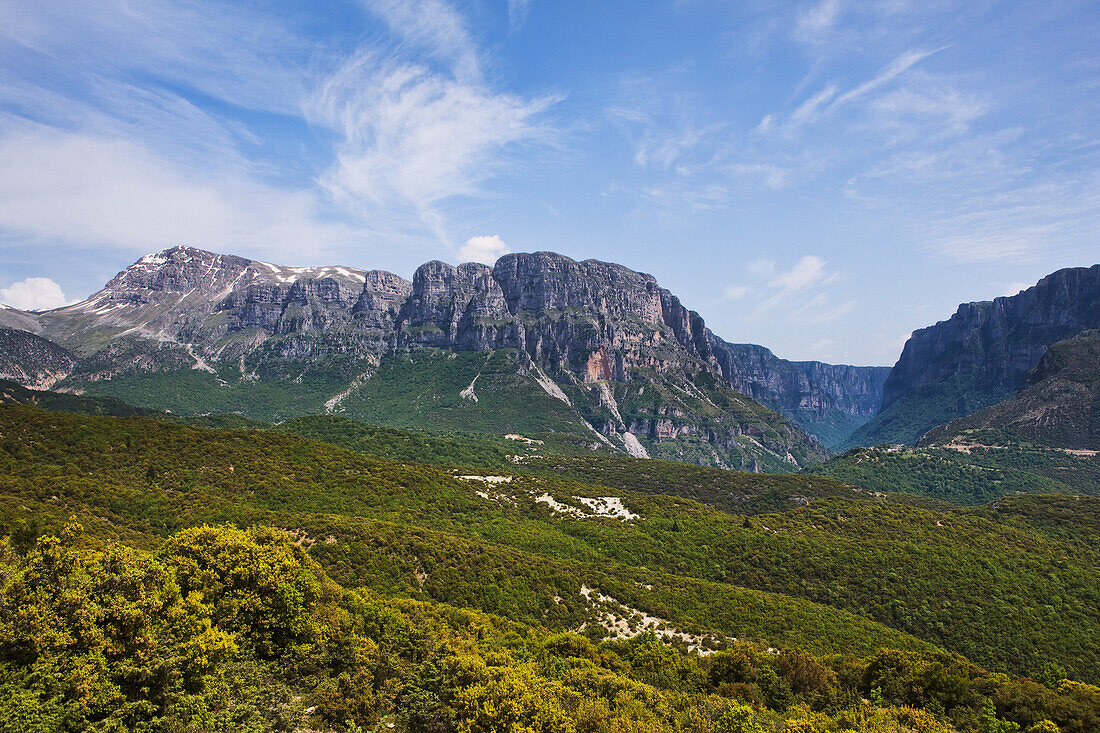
[975, 474]
[227, 630]
[14, 393]
[447, 449]
[854, 573]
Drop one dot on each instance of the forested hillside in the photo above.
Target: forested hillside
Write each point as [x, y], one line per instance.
[230, 630]
[853, 573]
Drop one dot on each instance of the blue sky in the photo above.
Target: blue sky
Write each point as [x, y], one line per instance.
[819, 177]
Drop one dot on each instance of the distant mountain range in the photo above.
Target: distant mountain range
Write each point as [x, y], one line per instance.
[591, 353]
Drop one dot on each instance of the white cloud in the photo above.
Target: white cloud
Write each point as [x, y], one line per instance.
[893, 70]
[810, 270]
[801, 293]
[807, 111]
[1020, 224]
[67, 187]
[735, 292]
[517, 13]
[486, 249]
[813, 23]
[34, 294]
[925, 109]
[436, 28]
[113, 86]
[414, 136]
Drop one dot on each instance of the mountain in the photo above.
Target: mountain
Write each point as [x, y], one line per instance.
[592, 352]
[1058, 405]
[980, 356]
[32, 360]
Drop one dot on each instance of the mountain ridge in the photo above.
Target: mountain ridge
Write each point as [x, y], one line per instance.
[1058, 405]
[582, 332]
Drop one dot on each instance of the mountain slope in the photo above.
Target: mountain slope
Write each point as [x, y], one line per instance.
[1057, 407]
[290, 649]
[32, 360]
[980, 355]
[967, 472]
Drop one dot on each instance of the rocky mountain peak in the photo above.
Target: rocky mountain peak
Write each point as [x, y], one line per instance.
[541, 281]
[175, 270]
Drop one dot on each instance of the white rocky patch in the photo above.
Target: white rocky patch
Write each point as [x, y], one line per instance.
[560, 508]
[608, 506]
[153, 260]
[607, 398]
[488, 479]
[633, 446]
[468, 393]
[523, 439]
[625, 622]
[550, 386]
[600, 506]
[200, 363]
[333, 402]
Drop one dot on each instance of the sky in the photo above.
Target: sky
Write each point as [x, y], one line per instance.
[819, 177]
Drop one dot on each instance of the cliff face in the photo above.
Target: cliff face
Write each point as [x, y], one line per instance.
[618, 350]
[596, 319]
[829, 400]
[1058, 405]
[981, 354]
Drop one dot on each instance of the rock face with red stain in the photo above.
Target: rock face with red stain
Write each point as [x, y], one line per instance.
[598, 368]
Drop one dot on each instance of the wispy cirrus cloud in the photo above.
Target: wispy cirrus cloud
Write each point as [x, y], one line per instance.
[799, 293]
[171, 108]
[434, 28]
[814, 23]
[517, 13]
[413, 138]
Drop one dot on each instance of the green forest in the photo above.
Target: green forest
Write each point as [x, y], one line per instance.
[218, 574]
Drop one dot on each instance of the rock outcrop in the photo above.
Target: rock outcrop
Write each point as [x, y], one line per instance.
[981, 354]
